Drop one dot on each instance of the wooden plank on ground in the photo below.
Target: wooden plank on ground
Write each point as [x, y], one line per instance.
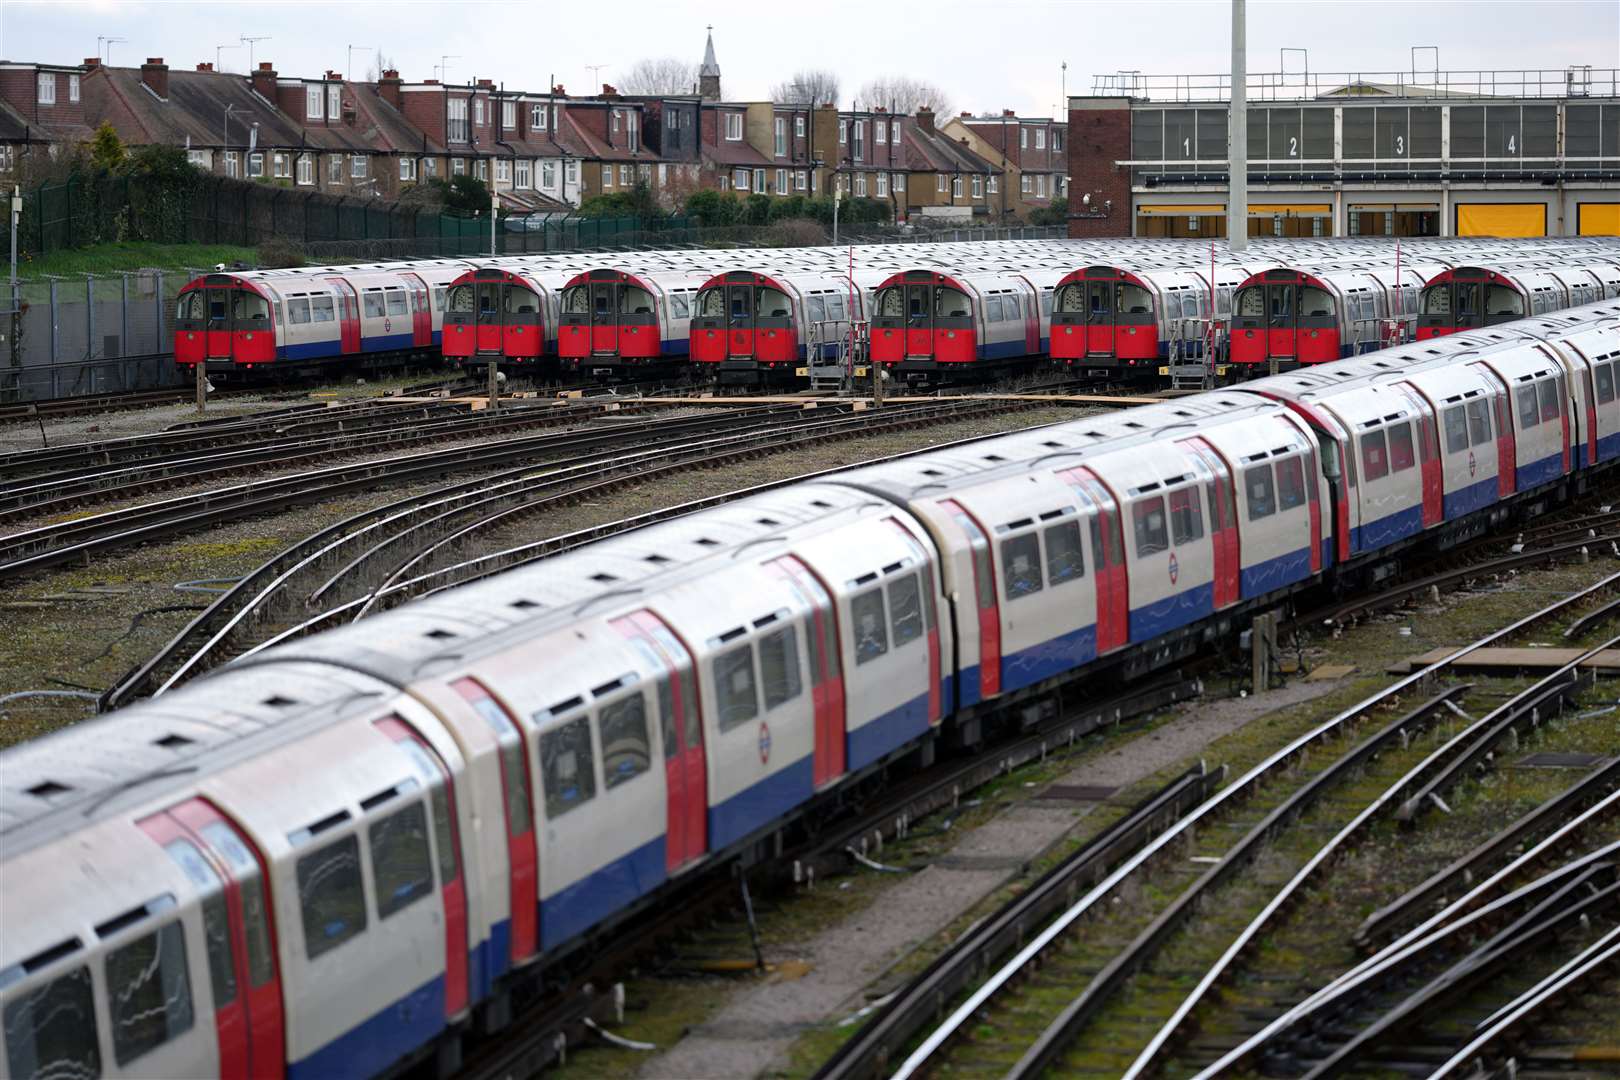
[1513, 659]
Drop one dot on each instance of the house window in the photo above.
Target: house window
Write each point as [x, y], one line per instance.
[537, 117]
[781, 181]
[894, 132]
[525, 173]
[882, 184]
[1057, 139]
[481, 167]
[47, 88]
[1040, 138]
[313, 97]
[503, 171]
[457, 166]
[632, 126]
[993, 185]
[334, 102]
[800, 180]
[1040, 186]
[956, 187]
[430, 168]
[899, 182]
[281, 165]
[571, 172]
[508, 116]
[644, 174]
[798, 127]
[617, 113]
[306, 169]
[843, 132]
[230, 163]
[880, 132]
[860, 140]
[624, 176]
[759, 181]
[478, 111]
[357, 166]
[334, 169]
[548, 174]
[73, 88]
[734, 127]
[255, 165]
[978, 187]
[740, 180]
[860, 185]
[1023, 183]
[197, 157]
[456, 120]
[781, 136]
[1023, 138]
[407, 168]
[939, 183]
[607, 176]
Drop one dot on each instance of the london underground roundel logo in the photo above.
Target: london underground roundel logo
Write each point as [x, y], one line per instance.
[764, 743]
[1175, 568]
[1472, 463]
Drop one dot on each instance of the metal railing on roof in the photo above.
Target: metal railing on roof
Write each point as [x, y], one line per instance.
[1577, 81]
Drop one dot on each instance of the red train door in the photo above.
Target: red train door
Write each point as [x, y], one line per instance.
[1222, 521]
[1100, 318]
[487, 316]
[826, 669]
[348, 314]
[1506, 451]
[685, 776]
[1282, 310]
[421, 311]
[517, 804]
[984, 588]
[919, 320]
[1427, 434]
[740, 322]
[453, 883]
[1108, 553]
[1032, 322]
[218, 332]
[604, 317]
[240, 934]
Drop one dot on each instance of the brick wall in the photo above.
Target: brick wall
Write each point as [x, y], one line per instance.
[425, 109]
[1099, 135]
[20, 89]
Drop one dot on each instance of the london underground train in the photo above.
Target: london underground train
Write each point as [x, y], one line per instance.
[340, 855]
[1468, 297]
[751, 327]
[936, 326]
[622, 320]
[508, 314]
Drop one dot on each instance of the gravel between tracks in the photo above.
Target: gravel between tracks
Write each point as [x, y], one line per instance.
[753, 1031]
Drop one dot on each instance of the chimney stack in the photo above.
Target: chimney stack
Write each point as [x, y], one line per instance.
[208, 66]
[155, 74]
[264, 80]
[92, 62]
[388, 89]
[925, 118]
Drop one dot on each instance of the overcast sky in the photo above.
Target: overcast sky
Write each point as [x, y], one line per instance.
[987, 56]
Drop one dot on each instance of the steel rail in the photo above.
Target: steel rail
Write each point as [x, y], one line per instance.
[1249, 780]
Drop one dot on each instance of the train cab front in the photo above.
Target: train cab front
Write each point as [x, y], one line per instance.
[609, 325]
[744, 330]
[1282, 318]
[1467, 298]
[923, 329]
[225, 323]
[493, 315]
[1105, 319]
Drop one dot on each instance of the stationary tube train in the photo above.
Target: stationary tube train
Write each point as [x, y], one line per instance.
[929, 325]
[751, 327]
[617, 320]
[1469, 297]
[336, 856]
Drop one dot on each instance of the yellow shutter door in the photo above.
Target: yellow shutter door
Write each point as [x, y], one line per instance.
[1599, 219]
[1501, 219]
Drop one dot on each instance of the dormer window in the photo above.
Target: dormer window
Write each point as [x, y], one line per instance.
[312, 102]
[334, 101]
[537, 118]
[734, 127]
[47, 88]
[478, 111]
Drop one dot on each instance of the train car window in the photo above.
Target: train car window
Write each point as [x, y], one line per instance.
[1290, 483]
[626, 747]
[680, 306]
[734, 687]
[951, 304]
[298, 310]
[1529, 413]
[246, 306]
[815, 309]
[444, 837]
[576, 301]
[216, 927]
[1315, 302]
[148, 992]
[905, 610]
[438, 297]
[1401, 456]
[1186, 516]
[871, 627]
[1549, 399]
[331, 896]
[190, 306]
[1152, 533]
[396, 302]
[52, 1031]
[1374, 456]
[1021, 565]
[1046, 302]
[1132, 300]
[372, 304]
[320, 309]
[1479, 421]
[568, 767]
[1262, 489]
[992, 309]
[1456, 420]
[779, 666]
[1065, 558]
[1437, 300]
[1604, 375]
[401, 865]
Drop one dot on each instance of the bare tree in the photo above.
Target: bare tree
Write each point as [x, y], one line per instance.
[902, 94]
[382, 63]
[811, 86]
[659, 75]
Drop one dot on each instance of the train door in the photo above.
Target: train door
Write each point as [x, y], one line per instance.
[919, 320]
[1506, 450]
[517, 791]
[348, 315]
[421, 311]
[685, 770]
[452, 882]
[520, 320]
[984, 589]
[239, 932]
[1430, 465]
[1282, 319]
[218, 334]
[604, 317]
[1108, 554]
[487, 316]
[1100, 318]
[826, 670]
[1222, 501]
[740, 322]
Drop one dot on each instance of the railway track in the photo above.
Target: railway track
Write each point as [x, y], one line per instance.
[1295, 812]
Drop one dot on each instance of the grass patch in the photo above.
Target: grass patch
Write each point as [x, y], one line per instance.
[111, 258]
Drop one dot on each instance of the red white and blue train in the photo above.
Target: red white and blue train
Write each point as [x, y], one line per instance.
[1096, 305]
[338, 855]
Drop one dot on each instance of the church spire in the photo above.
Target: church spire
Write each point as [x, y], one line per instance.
[709, 73]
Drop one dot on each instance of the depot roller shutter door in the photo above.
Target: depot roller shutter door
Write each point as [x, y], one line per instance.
[1598, 219]
[1501, 219]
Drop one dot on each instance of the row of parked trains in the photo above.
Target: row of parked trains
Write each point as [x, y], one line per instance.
[925, 312]
[340, 854]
